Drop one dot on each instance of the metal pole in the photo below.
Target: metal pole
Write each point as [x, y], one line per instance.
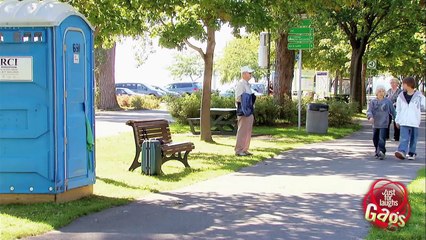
[269, 64]
[299, 91]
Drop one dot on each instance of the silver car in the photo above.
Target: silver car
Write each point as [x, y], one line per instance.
[184, 87]
[141, 88]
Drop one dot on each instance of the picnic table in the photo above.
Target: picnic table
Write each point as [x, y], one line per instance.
[222, 120]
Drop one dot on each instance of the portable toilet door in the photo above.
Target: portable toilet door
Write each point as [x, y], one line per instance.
[78, 103]
[46, 102]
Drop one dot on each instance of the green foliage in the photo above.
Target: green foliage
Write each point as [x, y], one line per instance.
[266, 111]
[222, 102]
[187, 64]
[237, 53]
[341, 113]
[145, 102]
[187, 106]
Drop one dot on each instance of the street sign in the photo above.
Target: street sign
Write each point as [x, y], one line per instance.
[304, 30]
[372, 64]
[300, 38]
[302, 46]
[305, 23]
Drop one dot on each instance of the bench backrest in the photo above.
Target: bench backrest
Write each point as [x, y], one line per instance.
[146, 129]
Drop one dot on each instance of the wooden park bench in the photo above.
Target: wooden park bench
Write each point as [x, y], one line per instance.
[159, 129]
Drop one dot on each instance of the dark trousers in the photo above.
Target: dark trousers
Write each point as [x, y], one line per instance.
[396, 131]
[379, 139]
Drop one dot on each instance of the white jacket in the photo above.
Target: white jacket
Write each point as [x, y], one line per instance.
[410, 114]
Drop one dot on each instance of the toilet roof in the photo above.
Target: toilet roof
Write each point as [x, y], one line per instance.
[35, 13]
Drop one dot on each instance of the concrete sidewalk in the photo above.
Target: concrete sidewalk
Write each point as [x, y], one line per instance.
[313, 192]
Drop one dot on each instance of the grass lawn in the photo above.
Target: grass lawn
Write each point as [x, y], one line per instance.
[416, 225]
[116, 186]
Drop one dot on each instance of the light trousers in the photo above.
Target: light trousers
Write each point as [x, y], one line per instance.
[245, 127]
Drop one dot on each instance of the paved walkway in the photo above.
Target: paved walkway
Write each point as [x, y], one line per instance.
[313, 192]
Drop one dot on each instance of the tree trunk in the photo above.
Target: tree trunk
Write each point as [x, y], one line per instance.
[284, 69]
[363, 85]
[340, 83]
[355, 74]
[105, 76]
[206, 134]
[336, 82]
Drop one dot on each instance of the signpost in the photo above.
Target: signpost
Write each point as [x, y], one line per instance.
[301, 38]
[372, 64]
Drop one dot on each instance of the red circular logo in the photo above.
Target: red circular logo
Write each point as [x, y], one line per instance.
[386, 204]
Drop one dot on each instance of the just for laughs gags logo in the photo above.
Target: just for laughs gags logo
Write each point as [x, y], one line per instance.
[386, 205]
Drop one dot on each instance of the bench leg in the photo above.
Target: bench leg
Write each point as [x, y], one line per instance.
[185, 159]
[178, 157]
[136, 162]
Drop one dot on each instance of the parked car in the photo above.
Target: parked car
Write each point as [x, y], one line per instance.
[166, 91]
[184, 87]
[126, 92]
[259, 88]
[230, 92]
[141, 88]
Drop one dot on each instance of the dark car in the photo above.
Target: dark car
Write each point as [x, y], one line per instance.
[184, 87]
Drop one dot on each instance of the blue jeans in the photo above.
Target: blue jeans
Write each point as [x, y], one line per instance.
[379, 139]
[408, 139]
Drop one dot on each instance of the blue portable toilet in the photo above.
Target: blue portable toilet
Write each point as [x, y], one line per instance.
[46, 102]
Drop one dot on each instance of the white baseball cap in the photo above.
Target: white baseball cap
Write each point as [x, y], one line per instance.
[246, 69]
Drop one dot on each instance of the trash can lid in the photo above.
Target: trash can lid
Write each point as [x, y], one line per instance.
[318, 107]
[36, 13]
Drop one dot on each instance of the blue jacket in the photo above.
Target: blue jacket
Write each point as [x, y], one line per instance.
[246, 106]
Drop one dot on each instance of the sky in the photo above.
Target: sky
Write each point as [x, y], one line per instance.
[154, 70]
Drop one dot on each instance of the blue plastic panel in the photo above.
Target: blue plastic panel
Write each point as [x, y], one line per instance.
[26, 115]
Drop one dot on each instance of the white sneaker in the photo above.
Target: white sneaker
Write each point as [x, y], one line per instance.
[412, 157]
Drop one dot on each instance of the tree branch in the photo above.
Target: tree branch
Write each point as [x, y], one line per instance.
[371, 39]
[199, 50]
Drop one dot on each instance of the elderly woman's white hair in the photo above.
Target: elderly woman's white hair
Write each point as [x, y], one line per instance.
[380, 88]
[394, 80]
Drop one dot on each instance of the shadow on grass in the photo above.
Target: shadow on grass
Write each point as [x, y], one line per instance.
[116, 183]
[125, 185]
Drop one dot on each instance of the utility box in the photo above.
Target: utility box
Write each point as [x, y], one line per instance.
[46, 102]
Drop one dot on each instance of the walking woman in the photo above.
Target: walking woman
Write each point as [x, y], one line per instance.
[392, 94]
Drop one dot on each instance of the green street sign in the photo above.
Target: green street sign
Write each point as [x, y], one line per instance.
[301, 38]
[300, 46]
[305, 23]
[301, 31]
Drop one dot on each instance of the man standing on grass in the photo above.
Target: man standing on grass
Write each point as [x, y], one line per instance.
[245, 123]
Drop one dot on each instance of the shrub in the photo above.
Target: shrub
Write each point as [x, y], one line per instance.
[187, 106]
[265, 112]
[218, 101]
[124, 101]
[341, 113]
[145, 102]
